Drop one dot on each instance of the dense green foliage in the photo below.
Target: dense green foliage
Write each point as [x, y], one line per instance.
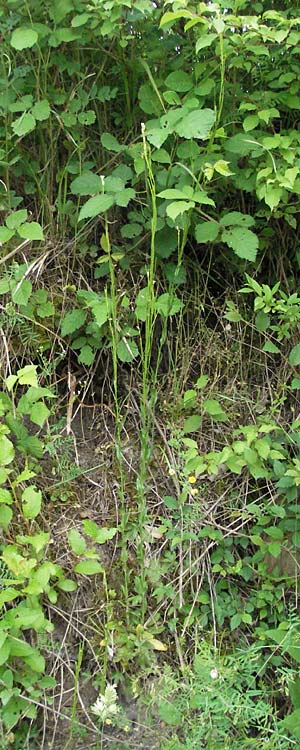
[149, 191]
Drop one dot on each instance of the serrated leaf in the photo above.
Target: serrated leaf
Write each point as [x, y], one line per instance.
[294, 356]
[196, 124]
[96, 206]
[31, 502]
[73, 321]
[23, 38]
[31, 230]
[24, 124]
[86, 355]
[87, 183]
[207, 231]
[41, 110]
[242, 241]
[236, 218]
[124, 197]
[76, 542]
[177, 208]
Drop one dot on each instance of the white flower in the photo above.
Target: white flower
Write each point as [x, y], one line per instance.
[214, 674]
[106, 705]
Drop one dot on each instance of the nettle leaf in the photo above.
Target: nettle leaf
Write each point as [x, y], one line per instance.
[27, 375]
[242, 241]
[207, 231]
[179, 81]
[24, 124]
[86, 355]
[294, 357]
[73, 321]
[110, 142]
[41, 110]
[236, 218]
[96, 206]
[31, 230]
[124, 197]
[23, 38]
[31, 502]
[196, 124]
[87, 183]
[168, 305]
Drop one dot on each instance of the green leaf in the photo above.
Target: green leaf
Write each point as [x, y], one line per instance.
[177, 208]
[39, 413]
[87, 183]
[16, 218]
[250, 122]
[196, 124]
[242, 241]
[24, 124]
[97, 533]
[101, 310]
[31, 230]
[6, 515]
[179, 81]
[7, 452]
[110, 142]
[41, 110]
[27, 375]
[191, 424]
[168, 305]
[124, 197]
[22, 292]
[236, 218]
[67, 585]
[262, 321]
[31, 502]
[23, 38]
[270, 348]
[291, 723]
[212, 407]
[294, 356]
[86, 355]
[202, 381]
[73, 321]
[5, 235]
[207, 231]
[88, 567]
[205, 41]
[77, 542]
[235, 621]
[127, 350]
[172, 194]
[96, 206]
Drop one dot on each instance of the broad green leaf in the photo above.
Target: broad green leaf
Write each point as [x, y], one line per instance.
[179, 81]
[291, 723]
[22, 292]
[88, 567]
[191, 424]
[31, 502]
[294, 356]
[41, 110]
[5, 235]
[7, 452]
[142, 304]
[27, 375]
[172, 194]
[67, 585]
[270, 348]
[123, 197]
[77, 542]
[168, 305]
[24, 124]
[207, 231]
[23, 38]
[101, 310]
[86, 355]
[88, 117]
[202, 381]
[87, 183]
[196, 124]
[110, 142]
[161, 156]
[205, 41]
[250, 123]
[127, 350]
[39, 413]
[177, 208]
[236, 218]
[31, 230]
[242, 241]
[262, 321]
[73, 321]
[95, 206]
[97, 533]
[16, 218]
